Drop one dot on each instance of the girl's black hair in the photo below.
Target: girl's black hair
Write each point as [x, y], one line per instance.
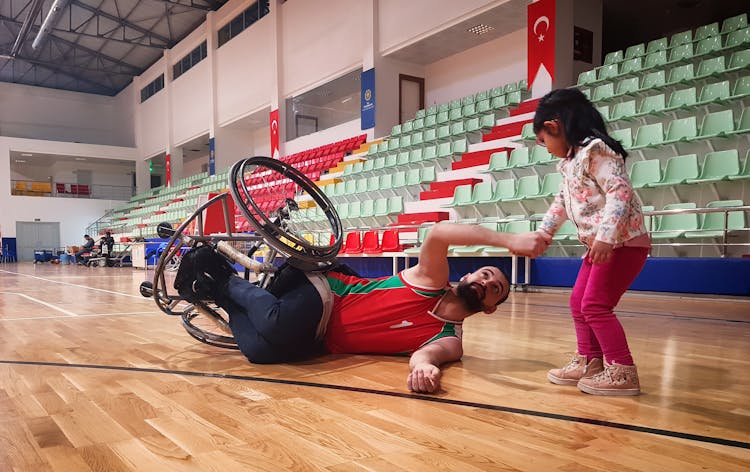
[578, 116]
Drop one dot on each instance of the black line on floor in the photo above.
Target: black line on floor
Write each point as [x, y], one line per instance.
[413, 396]
[631, 314]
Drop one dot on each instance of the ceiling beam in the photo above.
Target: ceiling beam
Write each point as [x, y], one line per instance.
[79, 47]
[192, 5]
[34, 8]
[122, 22]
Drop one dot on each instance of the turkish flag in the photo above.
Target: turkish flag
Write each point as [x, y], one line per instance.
[541, 39]
[274, 125]
[168, 166]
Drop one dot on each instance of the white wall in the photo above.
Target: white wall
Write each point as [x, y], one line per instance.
[483, 67]
[243, 72]
[60, 115]
[403, 22]
[153, 124]
[316, 51]
[191, 108]
[73, 213]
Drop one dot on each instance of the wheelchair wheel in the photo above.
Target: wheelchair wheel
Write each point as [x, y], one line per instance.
[209, 326]
[269, 193]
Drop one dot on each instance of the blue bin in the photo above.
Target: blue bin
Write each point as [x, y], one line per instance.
[42, 255]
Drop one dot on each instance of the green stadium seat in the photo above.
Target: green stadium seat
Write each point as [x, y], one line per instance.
[741, 87]
[681, 53]
[655, 45]
[647, 219]
[710, 67]
[654, 80]
[745, 172]
[624, 136]
[708, 45]
[679, 170]
[444, 133]
[636, 50]
[604, 111]
[496, 92]
[681, 130]
[608, 72]
[717, 124]
[519, 157]
[743, 125]
[652, 104]
[712, 224]
[407, 126]
[655, 59]
[675, 226]
[604, 92]
[523, 86]
[483, 95]
[455, 103]
[461, 196]
[498, 103]
[405, 141]
[513, 98]
[455, 114]
[587, 78]
[431, 111]
[717, 92]
[645, 173]
[681, 74]
[541, 156]
[718, 166]
[498, 162]
[631, 66]
[504, 189]
[483, 106]
[648, 136]
[624, 111]
[682, 38]
[420, 113]
[418, 124]
[396, 130]
[430, 121]
[706, 31]
[734, 23]
[685, 98]
[737, 39]
[527, 132]
[739, 60]
[528, 186]
[469, 110]
[550, 185]
[629, 86]
[613, 57]
[510, 87]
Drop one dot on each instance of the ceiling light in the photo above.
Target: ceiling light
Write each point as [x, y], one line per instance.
[346, 99]
[26, 154]
[480, 29]
[80, 158]
[20, 160]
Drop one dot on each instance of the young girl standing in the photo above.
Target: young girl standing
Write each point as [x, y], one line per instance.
[596, 195]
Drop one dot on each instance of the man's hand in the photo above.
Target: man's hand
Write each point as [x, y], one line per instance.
[600, 252]
[424, 378]
[530, 244]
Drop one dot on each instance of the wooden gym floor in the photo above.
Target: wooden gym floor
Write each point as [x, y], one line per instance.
[94, 377]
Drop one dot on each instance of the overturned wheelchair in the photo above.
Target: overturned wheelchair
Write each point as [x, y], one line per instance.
[281, 231]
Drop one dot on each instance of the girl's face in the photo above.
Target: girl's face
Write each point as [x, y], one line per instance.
[552, 137]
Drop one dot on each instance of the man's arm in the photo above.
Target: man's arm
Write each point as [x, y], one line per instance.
[432, 269]
[425, 363]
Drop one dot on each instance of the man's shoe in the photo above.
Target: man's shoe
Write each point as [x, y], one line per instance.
[203, 274]
[575, 370]
[615, 379]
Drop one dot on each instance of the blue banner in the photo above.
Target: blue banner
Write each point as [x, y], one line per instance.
[211, 156]
[368, 99]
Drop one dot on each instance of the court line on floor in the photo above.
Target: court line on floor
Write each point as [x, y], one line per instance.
[630, 313]
[91, 315]
[41, 302]
[412, 396]
[74, 285]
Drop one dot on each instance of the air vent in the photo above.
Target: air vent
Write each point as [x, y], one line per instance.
[480, 29]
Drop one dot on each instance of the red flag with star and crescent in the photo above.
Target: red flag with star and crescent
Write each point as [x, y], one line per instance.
[273, 120]
[541, 39]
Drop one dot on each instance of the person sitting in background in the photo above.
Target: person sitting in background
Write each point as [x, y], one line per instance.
[88, 244]
[107, 243]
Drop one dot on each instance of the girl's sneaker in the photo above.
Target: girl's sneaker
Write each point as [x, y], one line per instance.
[615, 379]
[578, 368]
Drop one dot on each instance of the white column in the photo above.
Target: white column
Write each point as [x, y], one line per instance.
[213, 116]
[142, 174]
[277, 73]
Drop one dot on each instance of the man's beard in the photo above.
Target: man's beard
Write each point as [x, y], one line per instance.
[469, 296]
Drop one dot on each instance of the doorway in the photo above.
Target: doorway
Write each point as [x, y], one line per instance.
[410, 96]
[36, 235]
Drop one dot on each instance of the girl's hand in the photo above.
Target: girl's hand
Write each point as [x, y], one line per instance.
[600, 252]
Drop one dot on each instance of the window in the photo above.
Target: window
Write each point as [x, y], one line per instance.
[149, 90]
[194, 57]
[243, 21]
[323, 107]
